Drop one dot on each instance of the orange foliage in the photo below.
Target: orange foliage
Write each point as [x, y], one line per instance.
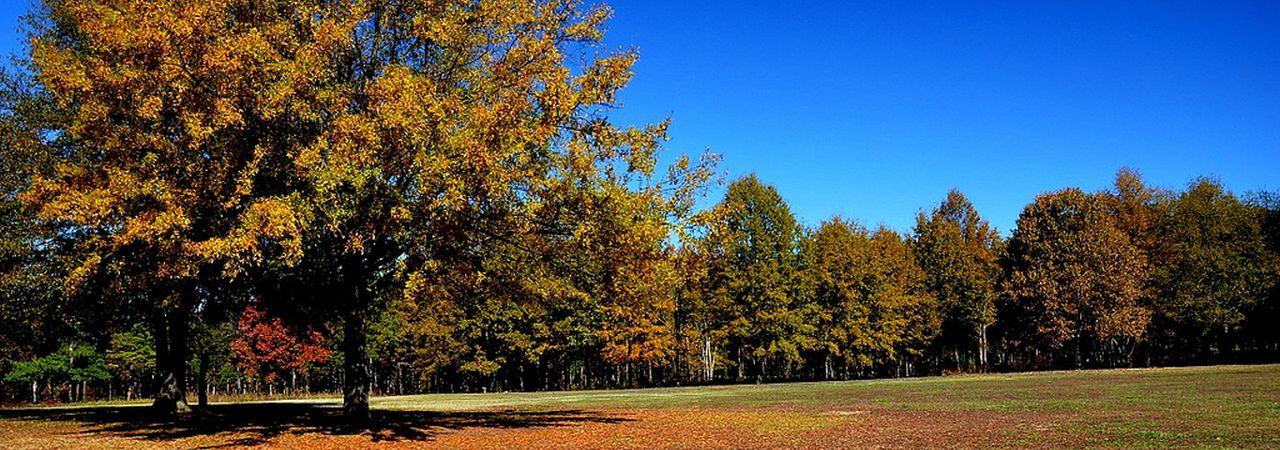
[265, 347]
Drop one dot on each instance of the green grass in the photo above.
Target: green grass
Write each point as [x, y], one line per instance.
[1215, 390]
[1193, 407]
[1198, 406]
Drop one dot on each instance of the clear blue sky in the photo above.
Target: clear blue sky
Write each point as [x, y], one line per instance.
[872, 110]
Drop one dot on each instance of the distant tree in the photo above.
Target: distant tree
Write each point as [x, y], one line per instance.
[72, 365]
[1219, 270]
[211, 347]
[390, 343]
[1262, 320]
[958, 252]
[874, 313]
[266, 348]
[1075, 281]
[763, 317]
[910, 314]
[840, 260]
[131, 359]
[639, 282]
[693, 318]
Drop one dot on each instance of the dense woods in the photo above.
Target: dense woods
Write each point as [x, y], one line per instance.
[286, 197]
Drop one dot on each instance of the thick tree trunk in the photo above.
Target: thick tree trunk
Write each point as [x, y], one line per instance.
[171, 361]
[355, 392]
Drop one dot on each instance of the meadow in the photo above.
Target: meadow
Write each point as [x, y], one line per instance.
[1199, 407]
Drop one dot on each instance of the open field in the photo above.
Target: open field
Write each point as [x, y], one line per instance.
[1208, 407]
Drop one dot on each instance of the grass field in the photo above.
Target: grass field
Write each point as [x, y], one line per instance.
[1206, 407]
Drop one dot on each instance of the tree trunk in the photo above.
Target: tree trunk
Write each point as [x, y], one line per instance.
[740, 372]
[202, 380]
[708, 361]
[982, 348]
[355, 393]
[171, 360]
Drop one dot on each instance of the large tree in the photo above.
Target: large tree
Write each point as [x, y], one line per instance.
[1075, 281]
[762, 316]
[958, 252]
[1217, 272]
[338, 145]
[873, 310]
[468, 141]
[176, 112]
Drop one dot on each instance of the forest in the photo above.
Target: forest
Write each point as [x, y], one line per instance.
[285, 198]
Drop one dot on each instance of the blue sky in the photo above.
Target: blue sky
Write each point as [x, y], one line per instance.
[873, 110]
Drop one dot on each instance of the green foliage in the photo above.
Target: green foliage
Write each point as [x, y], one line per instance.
[72, 362]
[212, 341]
[958, 252]
[1219, 268]
[34, 312]
[873, 308]
[131, 356]
[755, 280]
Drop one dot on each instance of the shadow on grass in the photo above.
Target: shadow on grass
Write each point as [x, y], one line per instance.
[257, 423]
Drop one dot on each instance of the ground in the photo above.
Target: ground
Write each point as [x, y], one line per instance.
[1206, 407]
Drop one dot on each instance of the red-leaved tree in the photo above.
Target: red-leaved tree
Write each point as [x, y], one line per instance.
[267, 348]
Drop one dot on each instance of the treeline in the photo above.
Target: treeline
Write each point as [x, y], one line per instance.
[1130, 276]
[283, 197]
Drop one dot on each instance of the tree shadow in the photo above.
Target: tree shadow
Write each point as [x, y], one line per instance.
[258, 423]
